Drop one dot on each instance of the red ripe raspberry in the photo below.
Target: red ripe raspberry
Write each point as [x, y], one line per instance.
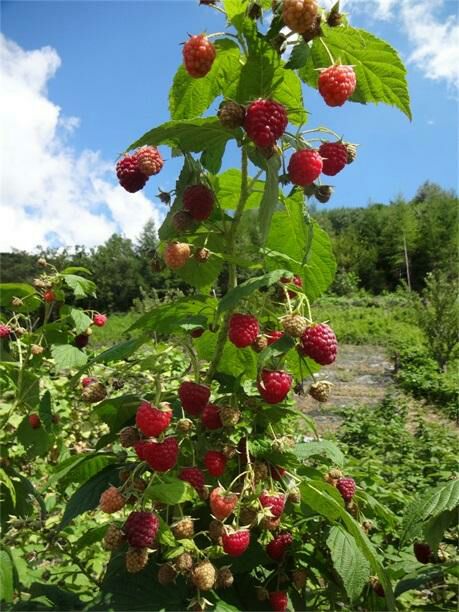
[215, 462]
[198, 56]
[319, 342]
[5, 331]
[304, 167]
[149, 160]
[152, 421]
[222, 503]
[337, 84]
[274, 335]
[346, 486]
[198, 200]
[422, 552]
[210, 417]
[295, 280]
[194, 476]
[111, 500]
[129, 175]
[99, 320]
[140, 447]
[161, 456]
[34, 421]
[49, 296]
[87, 380]
[274, 502]
[193, 397]
[277, 548]
[235, 544]
[176, 254]
[141, 529]
[278, 601]
[277, 472]
[274, 386]
[265, 121]
[243, 329]
[334, 156]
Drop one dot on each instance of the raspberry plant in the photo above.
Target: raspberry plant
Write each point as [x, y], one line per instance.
[210, 497]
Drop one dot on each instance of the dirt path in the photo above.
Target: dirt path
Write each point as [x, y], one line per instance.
[361, 375]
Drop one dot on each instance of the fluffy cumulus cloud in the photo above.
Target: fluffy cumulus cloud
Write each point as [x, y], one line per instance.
[431, 29]
[51, 194]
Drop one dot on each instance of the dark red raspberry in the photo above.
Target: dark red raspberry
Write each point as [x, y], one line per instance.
[274, 386]
[275, 502]
[277, 548]
[265, 121]
[319, 342]
[197, 332]
[346, 486]
[304, 167]
[235, 544]
[337, 84]
[81, 340]
[34, 421]
[5, 331]
[278, 601]
[222, 503]
[243, 329]
[210, 417]
[277, 472]
[149, 160]
[141, 529]
[182, 221]
[198, 56]
[152, 421]
[194, 476]
[161, 456]
[334, 157]
[215, 462]
[129, 174]
[422, 552]
[193, 397]
[274, 336]
[198, 200]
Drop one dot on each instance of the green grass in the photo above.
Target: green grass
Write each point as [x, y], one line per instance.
[114, 331]
[387, 321]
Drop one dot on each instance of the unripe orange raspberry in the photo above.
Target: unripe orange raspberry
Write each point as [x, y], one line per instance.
[204, 575]
[299, 15]
[111, 500]
[113, 537]
[149, 160]
[177, 254]
[136, 559]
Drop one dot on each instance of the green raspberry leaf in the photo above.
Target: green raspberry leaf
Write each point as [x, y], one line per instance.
[381, 76]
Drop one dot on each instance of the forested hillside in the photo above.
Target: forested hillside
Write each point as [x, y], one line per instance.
[371, 245]
[375, 243]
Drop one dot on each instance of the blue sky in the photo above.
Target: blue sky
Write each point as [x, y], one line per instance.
[96, 76]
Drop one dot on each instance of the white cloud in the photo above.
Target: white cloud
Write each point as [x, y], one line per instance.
[51, 194]
[433, 40]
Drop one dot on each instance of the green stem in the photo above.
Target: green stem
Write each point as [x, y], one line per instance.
[232, 271]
